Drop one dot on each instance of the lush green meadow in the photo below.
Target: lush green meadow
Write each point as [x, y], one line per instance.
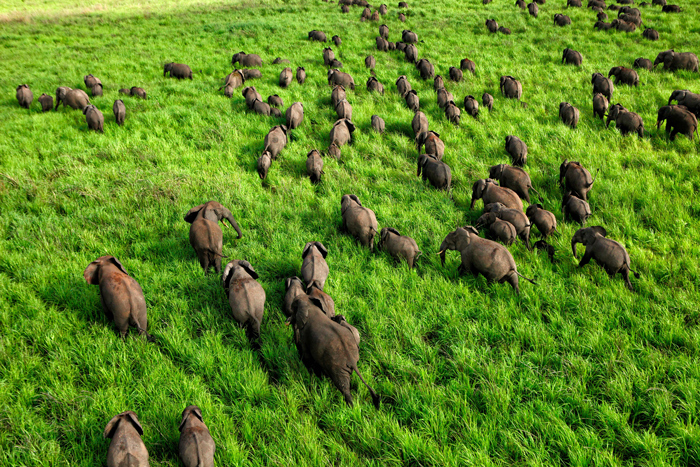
[576, 370]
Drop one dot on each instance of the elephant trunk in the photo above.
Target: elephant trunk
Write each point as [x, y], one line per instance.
[232, 221]
[659, 122]
[574, 241]
[443, 249]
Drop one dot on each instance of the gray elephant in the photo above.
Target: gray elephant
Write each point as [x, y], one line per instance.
[399, 246]
[25, 97]
[515, 217]
[196, 445]
[275, 140]
[119, 110]
[575, 209]
[233, 80]
[263, 164]
[378, 124]
[514, 178]
[358, 221]
[609, 254]
[511, 87]
[294, 288]
[327, 346]
[328, 305]
[432, 142]
[602, 26]
[467, 65]
[314, 166]
[75, 98]
[624, 75]
[487, 101]
[482, 256]
[382, 44]
[504, 30]
[319, 36]
[384, 31]
[602, 85]
[336, 77]
[341, 134]
[46, 102]
[574, 3]
[456, 74]
[572, 57]
[337, 95]
[626, 121]
[251, 73]
[688, 99]
[651, 34]
[435, 171]
[452, 113]
[121, 296]
[337, 40]
[275, 101]
[262, 108]
[343, 109]
[544, 220]
[678, 120]
[294, 115]
[94, 118]
[410, 53]
[490, 192]
[623, 26]
[673, 60]
[419, 124]
[568, 114]
[285, 77]
[444, 97]
[502, 230]
[425, 68]
[561, 20]
[328, 56]
[533, 9]
[412, 100]
[314, 269]
[246, 60]
[517, 150]
[600, 106]
[471, 106]
[137, 92]
[576, 178]
[373, 85]
[492, 25]
[643, 63]
[279, 60]
[245, 295]
[177, 70]
[438, 83]
[409, 37]
[403, 86]
[205, 234]
[94, 84]
[370, 62]
[126, 447]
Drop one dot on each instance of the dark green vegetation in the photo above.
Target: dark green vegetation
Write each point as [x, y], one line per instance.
[574, 371]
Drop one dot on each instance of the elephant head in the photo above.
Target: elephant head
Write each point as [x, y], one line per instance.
[423, 137]
[494, 207]
[214, 212]
[422, 160]
[167, 67]
[458, 240]
[129, 417]
[232, 266]
[190, 410]
[478, 189]
[236, 57]
[586, 236]
[678, 95]
[614, 71]
[348, 201]
[319, 246]
[386, 231]
[92, 271]
[663, 115]
[486, 219]
[665, 57]
[614, 112]
[496, 171]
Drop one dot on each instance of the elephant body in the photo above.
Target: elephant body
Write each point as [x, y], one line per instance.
[504, 30]
[337, 95]
[545, 221]
[574, 3]
[456, 74]
[492, 25]
[435, 171]
[337, 40]
[121, 296]
[514, 178]
[294, 115]
[382, 44]
[75, 98]
[262, 108]
[378, 124]
[678, 120]
[25, 97]
[196, 445]
[521, 4]
[399, 246]
[490, 192]
[609, 254]
[314, 166]
[533, 9]
[358, 220]
[328, 56]
[511, 87]
[467, 65]
[275, 140]
[650, 34]
[575, 208]
[245, 295]
[624, 75]
[370, 62]
[425, 68]
[626, 121]
[314, 269]
[319, 36]
[623, 26]
[343, 109]
[471, 106]
[671, 9]
[233, 80]
[246, 60]
[487, 101]
[374, 85]
[294, 287]
[251, 73]
[517, 150]
[94, 118]
[138, 92]
[515, 217]
[177, 70]
[412, 100]
[602, 26]
[384, 32]
[643, 63]
[409, 37]
[410, 53]
[688, 99]
[263, 164]
[568, 114]
[341, 134]
[119, 110]
[575, 178]
[503, 231]
[602, 85]
[285, 77]
[46, 102]
[419, 124]
[600, 106]
[205, 234]
[126, 447]
[275, 101]
[336, 77]
[572, 57]
[452, 113]
[433, 144]
[677, 60]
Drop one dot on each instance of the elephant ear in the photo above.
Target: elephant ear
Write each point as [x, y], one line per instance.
[112, 426]
[248, 268]
[116, 262]
[393, 230]
[599, 230]
[436, 133]
[299, 317]
[284, 129]
[322, 249]
[192, 213]
[350, 125]
[134, 421]
[318, 303]
[91, 273]
[307, 248]
[357, 200]
[470, 229]
[228, 272]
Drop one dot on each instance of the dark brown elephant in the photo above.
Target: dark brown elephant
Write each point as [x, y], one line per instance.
[399, 246]
[490, 192]
[444, 97]
[572, 57]
[576, 178]
[46, 102]
[412, 100]
[435, 171]
[74, 98]
[517, 150]
[609, 254]
[673, 60]
[378, 124]
[602, 85]
[568, 114]
[177, 70]
[294, 115]
[205, 234]
[651, 34]
[533, 9]
[600, 106]
[337, 95]
[119, 110]
[492, 25]
[314, 269]
[301, 75]
[624, 75]
[626, 121]
[286, 77]
[409, 37]
[514, 178]
[196, 446]
[487, 101]
[544, 220]
[245, 295]
[341, 134]
[643, 63]
[467, 65]
[246, 60]
[511, 87]
[314, 166]
[410, 53]
[373, 85]
[94, 118]
[688, 99]
[319, 36]
[425, 68]
[456, 74]
[25, 97]
[471, 106]
[126, 447]
[336, 77]
[358, 221]
[384, 31]
[419, 124]
[452, 113]
[515, 217]
[678, 120]
[263, 164]
[251, 73]
[561, 20]
[251, 95]
[275, 101]
[370, 62]
[343, 109]
[275, 140]
[432, 142]
[575, 209]
[294, 288]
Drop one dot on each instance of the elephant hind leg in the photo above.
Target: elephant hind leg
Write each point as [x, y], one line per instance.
[512, 279]
[252, 329]
[342, 382]
[204, 260]
[626, 276]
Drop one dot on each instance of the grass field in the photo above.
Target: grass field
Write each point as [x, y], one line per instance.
[574, 371]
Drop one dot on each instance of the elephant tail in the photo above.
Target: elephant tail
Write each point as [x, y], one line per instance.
[200, 460]
[596, 174]
[375, 397]
[149, 337]
[529, 280]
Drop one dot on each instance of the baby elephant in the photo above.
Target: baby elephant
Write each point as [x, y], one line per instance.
[435, 171]
[572, 57]
[314, 269]
[575, 208]
[471, 106]
[561, 20]
[490, 192]
[517, 150]
[46, 102]
[94, 118]
[504, 231]
[314, 166]
[205, 234]
[487, 101]
[624, 75]
[643, 63]
[196, 444]
[609, 254]
[301, 75]
[568, 114]
[399, 246]
[378, 124]
[514, 178]
[25, 96]
[121, 296]
[625, 121]
[245, 295]
[119, 110]
[293, 287]
[359, 221]
[373, 84]
[177, 70]
[126, 447]
[544, 220]
[263, 164]
[276, 139]
[341, 134]
[294, 115]
[433, 144]
[600, 106]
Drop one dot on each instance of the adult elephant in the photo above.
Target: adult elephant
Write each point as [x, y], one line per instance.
[246, 60]
[75, 98]
[688, 99]
[677, 60]
[245, 295]
[575, 178]
[490, 192]
[609, 254]
[177, 70]
[678, 120]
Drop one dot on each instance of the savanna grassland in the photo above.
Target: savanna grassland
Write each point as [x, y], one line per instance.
[576, 370]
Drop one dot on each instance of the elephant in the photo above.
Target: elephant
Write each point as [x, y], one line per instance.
[246, 60]
[138, 92]
[403, 5]
[671, 9]
[314, 269]
[263, 164]
[568, 114]
[233, 80]
[205, 234]
[658, 2]
[336, 77]
[410, 53]
[90, 81]
[366, 14]
[337, 40]
[517, 150]
[467, 65]
[678, 120]
[46, 102]
[511, 88]
[433, 144]
[370, 62]
[574, 3]
[279, 60]
[492, 25]
[403, 86]
[341, 134]
[276, 139]
[285, 77]
[600, 105]
[196, 446]
[438, 83]
[275, 101]
[74, 98]
[602, 26]
[412, 100]
[125, 91]
[435, 171]
[96, 90]
[382, 44]
[575, 178]
[504, 30]
[301, 75]
[328, 56]
[94, 118]
[314, 166]
[263, 108]
[515, 217]
[596, 3]
[490, 192]
[677, 61]
[632, 19]
[533, 9]
[358, 220]
[602, 85]
[456, 74]
[521, 4]
[482, 256]
[121, 296]
[245, 295]
[378, 124]
[688, 99]
[327, 305]
[572, 57]
[419, 124]
[251, 73]
[425, 68]
[294, 115]
[544, 220]
[177, 70]
[384, 32]
[547, 248]
[251, 95]
[609, 254]
[126, 447]
[399, 246]
[343, 109]
[409, 37]
[373, 85]
[25, 97]
[624, 75]
[119, 110]
[602, 16]
[650, 34]
[452, 113]
[514, 178]
[294, 288]
[327, 346]
[626, 121]
[375, 16]
[402, 17]
[643, 63]
[337, 95]
[319, 36]
[503, 231]
[487, 101]
[575, 209]
[471, 106]
[623, 26]
[382, 9]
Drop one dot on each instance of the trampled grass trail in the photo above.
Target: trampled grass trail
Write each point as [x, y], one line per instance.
[576, 370]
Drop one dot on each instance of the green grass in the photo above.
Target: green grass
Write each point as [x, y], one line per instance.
[574, 371]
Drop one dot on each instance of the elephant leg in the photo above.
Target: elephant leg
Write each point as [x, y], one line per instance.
[673, 134]
[341, 380]
[512, 279]
[121, 321]
[204, 261]
[252, 329]
[586, 258]
[217, 263]
[461, 269]
[626, 276]
[108, 313]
